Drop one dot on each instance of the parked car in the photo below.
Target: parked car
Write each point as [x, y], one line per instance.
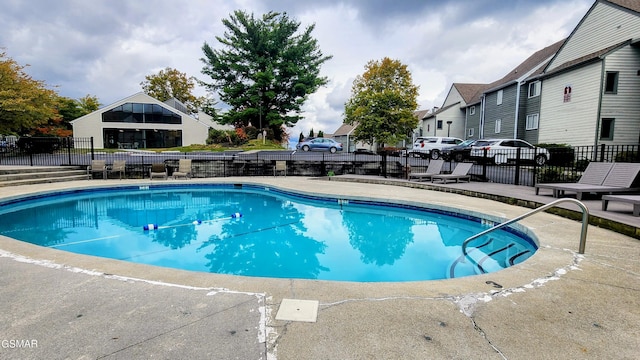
[431, 146]
[501, 151]
[320, 144]
[392, 151]
[363, 151]
[459, 152]
[38, 144]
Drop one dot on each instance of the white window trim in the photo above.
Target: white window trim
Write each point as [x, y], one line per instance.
[472, 110]
[536, 89]
[499, 97]
[532, 122]
[498, 126]
[470, 132]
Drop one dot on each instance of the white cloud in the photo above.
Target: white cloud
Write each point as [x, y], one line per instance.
[107, 47]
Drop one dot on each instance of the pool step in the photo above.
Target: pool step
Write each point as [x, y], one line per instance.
[14, 176]
[478, 262]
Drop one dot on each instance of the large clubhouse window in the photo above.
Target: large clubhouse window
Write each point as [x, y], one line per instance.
[141, 138]
[534, 89]
[439, 125]
[141, 113]
[606, 131]
[611, 82]
[532, 122]
[498, 126]
[499, 99]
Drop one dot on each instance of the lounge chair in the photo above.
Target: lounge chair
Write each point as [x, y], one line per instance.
[158, 170]
[97, 166]
[631, 199]
[594, 174]
[459, 173]
[184, 169]
[434, 168]
[280, 166]
[119, 166]
[620, 178]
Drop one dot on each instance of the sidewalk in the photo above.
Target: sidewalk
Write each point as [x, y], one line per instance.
[556, 305]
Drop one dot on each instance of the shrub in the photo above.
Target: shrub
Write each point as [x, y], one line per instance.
[627, 156]
[554, 174]
[230, 137]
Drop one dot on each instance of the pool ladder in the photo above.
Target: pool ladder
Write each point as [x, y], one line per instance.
[583, 232]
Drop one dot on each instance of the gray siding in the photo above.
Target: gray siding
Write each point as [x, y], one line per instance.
[473, 122]
[624, 106]
[604, 26]
[528, 106]
[506, 112]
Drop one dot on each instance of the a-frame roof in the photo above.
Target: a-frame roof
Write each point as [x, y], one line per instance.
[136, 97]
[344, 129]
[420, 114]
[633, 5]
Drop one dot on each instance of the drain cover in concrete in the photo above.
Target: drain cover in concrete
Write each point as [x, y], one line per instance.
[298, 310]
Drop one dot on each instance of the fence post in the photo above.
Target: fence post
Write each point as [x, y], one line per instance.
[484, 164]
[91, 145]
[68, 140]
[516, 179]
[602, 150]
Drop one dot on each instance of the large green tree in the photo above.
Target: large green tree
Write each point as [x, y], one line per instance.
[25, 103]
[170, 83]
[382, 103]
[265, 70]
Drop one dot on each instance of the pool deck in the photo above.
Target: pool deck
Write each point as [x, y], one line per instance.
[556, 305]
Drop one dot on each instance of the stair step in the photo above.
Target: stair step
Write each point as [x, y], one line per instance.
[39, 175]
[29, 175]
[7, 170]
[44, 180]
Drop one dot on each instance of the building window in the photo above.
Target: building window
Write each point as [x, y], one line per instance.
[470, 132]
[141, 138]
[611, 82]
[498, 126]
[141, 113]
[534, 89]
[499, 100]
[472, 110]
[567, 94]
[606, 130]
[532, 122]
[439, 125]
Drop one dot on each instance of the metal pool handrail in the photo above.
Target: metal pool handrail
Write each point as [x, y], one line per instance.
[583, 232]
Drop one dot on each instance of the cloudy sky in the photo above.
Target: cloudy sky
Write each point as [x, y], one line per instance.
[106, 47]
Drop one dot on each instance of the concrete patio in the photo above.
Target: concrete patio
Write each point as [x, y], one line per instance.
[556, 305]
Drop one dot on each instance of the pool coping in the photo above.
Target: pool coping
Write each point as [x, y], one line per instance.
[556, 258]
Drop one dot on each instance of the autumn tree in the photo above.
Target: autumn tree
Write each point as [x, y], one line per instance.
[170, 83]
[67, 109]
[89, 103]
[265, 70]
[382, 103]
[25, 103]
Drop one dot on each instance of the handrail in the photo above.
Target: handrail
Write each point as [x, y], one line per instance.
[583, 233]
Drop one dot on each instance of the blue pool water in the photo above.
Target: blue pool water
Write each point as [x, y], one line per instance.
[257, 231]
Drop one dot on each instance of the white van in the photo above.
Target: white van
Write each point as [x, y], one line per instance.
[430, 146]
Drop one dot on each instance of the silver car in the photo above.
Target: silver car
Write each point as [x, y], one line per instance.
[500, 151]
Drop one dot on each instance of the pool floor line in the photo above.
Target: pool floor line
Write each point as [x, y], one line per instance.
[84, 241]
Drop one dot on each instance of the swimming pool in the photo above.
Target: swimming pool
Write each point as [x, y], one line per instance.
[252, 230]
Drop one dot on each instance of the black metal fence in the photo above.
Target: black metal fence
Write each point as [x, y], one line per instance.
[564, 164]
